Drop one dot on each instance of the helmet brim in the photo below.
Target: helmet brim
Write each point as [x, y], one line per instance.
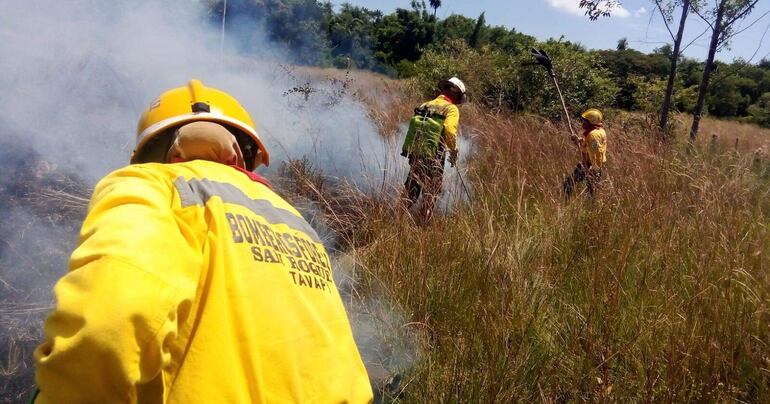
[446, 85]
[159, 127]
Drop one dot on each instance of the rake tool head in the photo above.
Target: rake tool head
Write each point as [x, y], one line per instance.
[542, 58]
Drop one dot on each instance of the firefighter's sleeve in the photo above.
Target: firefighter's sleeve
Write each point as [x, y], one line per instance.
[451, 123]
[131, 284]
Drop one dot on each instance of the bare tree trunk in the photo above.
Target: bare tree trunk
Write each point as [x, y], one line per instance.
[715, 34]
[672, 72]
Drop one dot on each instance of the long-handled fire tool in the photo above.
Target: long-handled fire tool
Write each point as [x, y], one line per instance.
[544, 60]
[463, 183]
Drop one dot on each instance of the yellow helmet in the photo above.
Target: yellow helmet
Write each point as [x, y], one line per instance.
[593, 116]
[195, 102]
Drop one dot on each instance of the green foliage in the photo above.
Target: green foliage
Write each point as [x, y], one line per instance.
[502, 80]
[405, 69]
[351, 35]
[404, 34]
[583, 77]
[622, 44]
[684, 98]
[759, 112]
[490, 72]
[454, 27]
[624, 63]
[477, 37]
[435, 4]
[726, 99]
[411, 42]
[649, 93]
[509, 40]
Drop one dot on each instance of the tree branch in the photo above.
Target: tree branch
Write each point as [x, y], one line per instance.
[706, 20]
[665, 21]
[749, 26]
[650, 42]
[741, 14]
[746, 63]
[693, 41]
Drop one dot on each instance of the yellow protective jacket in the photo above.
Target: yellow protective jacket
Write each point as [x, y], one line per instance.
[192, 283]
[593, 146]
[451, 120]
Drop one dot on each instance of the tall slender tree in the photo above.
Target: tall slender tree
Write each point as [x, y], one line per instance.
[720, 19]
[435, 4]
[603, 8]
[622, 44]
[666, 107]
[475, 40]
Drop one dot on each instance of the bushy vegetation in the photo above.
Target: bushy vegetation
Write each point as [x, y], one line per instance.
[413, 42]
[508, 81]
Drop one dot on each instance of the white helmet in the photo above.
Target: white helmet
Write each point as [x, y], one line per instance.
[453, 84]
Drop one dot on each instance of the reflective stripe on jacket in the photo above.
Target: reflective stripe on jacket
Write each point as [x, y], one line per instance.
[451, 122]
[192, 283]
[593, 146]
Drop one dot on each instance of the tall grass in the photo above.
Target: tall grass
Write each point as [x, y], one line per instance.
[655, 290]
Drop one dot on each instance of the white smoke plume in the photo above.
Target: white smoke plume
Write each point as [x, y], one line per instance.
[77, 74]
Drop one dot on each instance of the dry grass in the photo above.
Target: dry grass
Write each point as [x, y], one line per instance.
[747, 137]
[42, 209]
[657, 290]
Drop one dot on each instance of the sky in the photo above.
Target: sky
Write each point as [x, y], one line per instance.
[637, 20]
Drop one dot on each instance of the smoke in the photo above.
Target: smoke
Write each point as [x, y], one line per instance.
[76, 76]
[381, 333]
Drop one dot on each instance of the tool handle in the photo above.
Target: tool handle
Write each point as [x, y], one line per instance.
[563, 104]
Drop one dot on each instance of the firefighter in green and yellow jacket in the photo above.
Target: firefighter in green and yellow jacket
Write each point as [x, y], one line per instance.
[432, 133]
[593, 149]
[194, 282]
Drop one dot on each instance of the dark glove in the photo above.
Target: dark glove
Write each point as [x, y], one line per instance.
[453, 157]
[404, 153]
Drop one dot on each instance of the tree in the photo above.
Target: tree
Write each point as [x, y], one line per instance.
[622, 44]
[509, 41]
[455, 26]
[723, 16]
[351, 34]
[759, 112]
[299, 25]
[597, 8]
[435, 4]
[475, 40]
[405, 34]
[675, 53]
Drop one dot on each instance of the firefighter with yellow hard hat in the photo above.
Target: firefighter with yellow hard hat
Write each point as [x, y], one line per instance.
[593, 149]
[432, 133]
[193, 281]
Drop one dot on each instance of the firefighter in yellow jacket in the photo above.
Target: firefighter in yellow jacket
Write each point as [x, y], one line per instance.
[593, 149]
[432, 132]
[193, 282]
